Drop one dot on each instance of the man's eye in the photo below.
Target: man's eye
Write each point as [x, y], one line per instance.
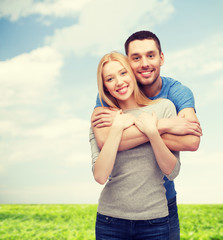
[135, 58]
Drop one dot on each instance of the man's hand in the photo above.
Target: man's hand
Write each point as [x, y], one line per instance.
[103, 116]
[179, 126]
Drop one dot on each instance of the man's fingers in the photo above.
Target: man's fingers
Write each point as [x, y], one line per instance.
[106, 122]
[196, 130]
[107, 110]
[101, 116]
[102, 124]
[114, 109]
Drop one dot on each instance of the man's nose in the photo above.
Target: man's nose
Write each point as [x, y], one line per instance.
[144, 62]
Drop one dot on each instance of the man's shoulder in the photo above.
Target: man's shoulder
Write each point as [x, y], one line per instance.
[168, 81]
[178, 93]
[172, 84]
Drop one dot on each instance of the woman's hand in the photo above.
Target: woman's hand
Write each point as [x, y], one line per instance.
[147, 123]
[123, 120]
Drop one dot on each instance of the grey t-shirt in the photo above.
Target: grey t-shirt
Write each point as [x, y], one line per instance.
[135, 188]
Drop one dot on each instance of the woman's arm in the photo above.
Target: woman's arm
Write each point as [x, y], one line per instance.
[165, 158]
[106, 159]
[187, 126]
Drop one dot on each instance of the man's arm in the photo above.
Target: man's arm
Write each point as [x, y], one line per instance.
[132, 137]
[188, 142]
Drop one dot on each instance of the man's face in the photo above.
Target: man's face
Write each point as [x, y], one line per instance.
[145, 60]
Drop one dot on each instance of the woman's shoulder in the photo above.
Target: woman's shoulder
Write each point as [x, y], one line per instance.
[158, 105]
[166, 102]
[163, 107]
[161, 102]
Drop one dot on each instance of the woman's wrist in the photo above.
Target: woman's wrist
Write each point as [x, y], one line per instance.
[152, 133]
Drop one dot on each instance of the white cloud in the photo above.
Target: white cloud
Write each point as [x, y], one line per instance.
[8, 128]
[68, 193]
[201, 157]
[100, 31]
[197, 60]
[58, 8]
[215, 90]
[60, 127]
[29, 76]
[200, 178]
[1, 169]
[199, 67]
[74, 158]
[63, 141]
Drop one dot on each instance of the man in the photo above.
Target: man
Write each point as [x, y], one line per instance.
[179, 134]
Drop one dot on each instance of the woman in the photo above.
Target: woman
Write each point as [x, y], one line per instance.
[132, 204]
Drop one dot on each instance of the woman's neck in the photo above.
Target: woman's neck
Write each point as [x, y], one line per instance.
[128, 104]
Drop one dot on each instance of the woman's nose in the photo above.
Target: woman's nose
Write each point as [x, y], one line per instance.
[119, 80]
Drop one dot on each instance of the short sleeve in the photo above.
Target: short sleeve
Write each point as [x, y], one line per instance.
[176, 169]
[170, 109]
[94, 148]
[181, 96]
[98, 102]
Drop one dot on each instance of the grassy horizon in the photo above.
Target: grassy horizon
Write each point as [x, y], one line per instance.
[77, 221]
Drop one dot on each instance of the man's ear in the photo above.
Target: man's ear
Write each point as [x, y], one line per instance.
[161, 59]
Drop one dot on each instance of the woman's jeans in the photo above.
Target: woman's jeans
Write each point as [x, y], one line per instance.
[109, 228]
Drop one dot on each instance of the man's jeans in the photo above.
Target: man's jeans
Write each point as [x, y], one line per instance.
[109, 228]
[173, 220]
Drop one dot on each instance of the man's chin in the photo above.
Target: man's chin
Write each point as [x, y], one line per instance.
[145, 81]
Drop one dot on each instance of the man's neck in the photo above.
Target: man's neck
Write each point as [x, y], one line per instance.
[154, 89]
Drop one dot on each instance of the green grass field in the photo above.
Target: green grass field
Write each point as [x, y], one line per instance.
[32, 222]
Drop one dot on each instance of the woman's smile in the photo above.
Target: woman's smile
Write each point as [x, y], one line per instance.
[122, 90]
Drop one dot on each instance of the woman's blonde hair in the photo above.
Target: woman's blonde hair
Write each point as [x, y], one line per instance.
[140, 98]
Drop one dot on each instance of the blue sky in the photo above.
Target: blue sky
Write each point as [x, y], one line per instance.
[49, 51]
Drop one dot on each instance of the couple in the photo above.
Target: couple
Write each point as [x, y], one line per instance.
[140, 142]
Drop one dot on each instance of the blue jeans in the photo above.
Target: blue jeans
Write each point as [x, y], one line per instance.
[173, 220]
[109, 228]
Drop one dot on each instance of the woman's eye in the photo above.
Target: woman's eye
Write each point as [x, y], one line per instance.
[123, 73]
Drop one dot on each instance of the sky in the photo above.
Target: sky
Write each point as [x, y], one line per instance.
[49, 52]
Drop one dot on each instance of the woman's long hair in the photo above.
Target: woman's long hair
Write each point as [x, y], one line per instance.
[139, 97]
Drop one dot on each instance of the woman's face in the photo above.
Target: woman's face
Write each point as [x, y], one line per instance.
[117, 81]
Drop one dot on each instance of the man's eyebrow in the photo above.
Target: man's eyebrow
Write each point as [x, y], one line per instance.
[149, 52]
[134, 54]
